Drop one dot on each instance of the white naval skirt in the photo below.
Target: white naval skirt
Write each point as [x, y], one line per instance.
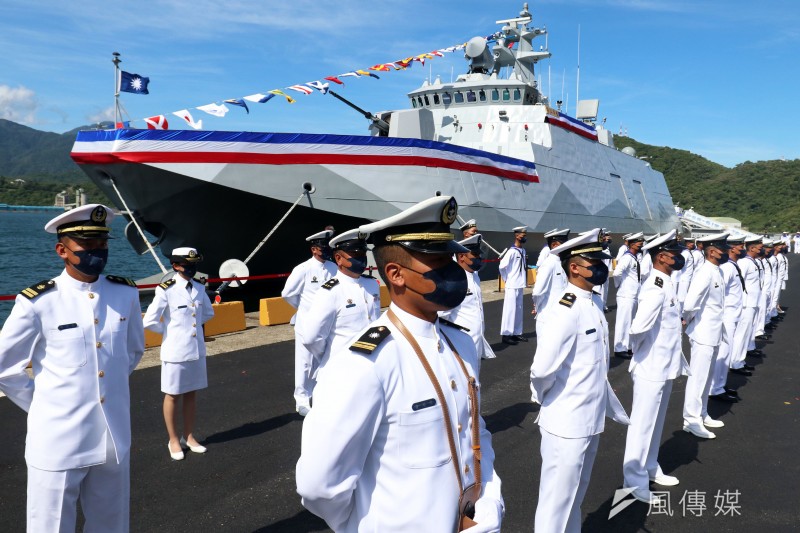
[186, 376]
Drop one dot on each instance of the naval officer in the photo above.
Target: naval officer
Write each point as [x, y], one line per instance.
[550, 277]
[646, 262]
[623, 247]
[627, 279]
[603, 289]
[469, 228]
[743, 335]
[514, 271]
[396, 435]
[82, 333]
[469, 313]
[179, 309]
[569, 380]
[657, 360]
[301, 286]
[703, 313]
[683, 278]
[345, 305]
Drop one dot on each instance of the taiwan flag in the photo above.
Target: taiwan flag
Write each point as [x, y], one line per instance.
[133, 83]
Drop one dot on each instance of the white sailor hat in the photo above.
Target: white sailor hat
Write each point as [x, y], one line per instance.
[185, 254]
[350, 241]
[559, 235]
[667, 243]
[736, 241]
[424, 227]
[768, 243]
[520, 229]
[85, 222]
[320, 238]
[753, 239]
[689, 239]
[469, 224]
[587, 245]
[635, 237]
[649, 238]
[473, 244]
[716, 241]
[626, 236]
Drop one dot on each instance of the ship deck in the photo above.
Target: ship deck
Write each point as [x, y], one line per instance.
[246, 480]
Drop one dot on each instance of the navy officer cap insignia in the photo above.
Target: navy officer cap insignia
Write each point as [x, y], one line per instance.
[587, 245]
[350, 241]
[185, 254]
[85, 222]
[567, 300]
[123, 281]
[371, 339]
[469, 224]
[37, 288]
[331, 283]
[423, 227]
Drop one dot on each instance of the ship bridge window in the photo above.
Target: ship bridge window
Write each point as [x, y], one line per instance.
[482, 95]
[517, 95]
[506, 95]
[436, 99]
[471, 96]
[495, 95]
[427, 102]
[459, 97]
[419, 100]
[446, 98]
[413, 103]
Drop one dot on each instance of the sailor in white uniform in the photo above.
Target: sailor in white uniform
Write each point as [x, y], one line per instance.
[469, 228]
[783, 261]
[179, 309]
[545, 251]
[766, 288]
[346, 304]
[376, 451]
[82, 333]
[683, 278]
[623, 248]
[569, 380]
[743, 336]
[797, 242]
[645, 261]
[603, 289]
[551, 280]
[469, 313]
[777, 277]
[514, 271]
[627, 279]
[657, 360]
[734, 298]
[301, 286]
[703, 313]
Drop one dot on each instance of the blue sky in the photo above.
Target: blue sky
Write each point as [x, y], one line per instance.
[693, 75]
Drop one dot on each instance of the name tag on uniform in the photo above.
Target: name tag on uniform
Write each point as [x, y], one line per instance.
[423, 404]
[348, 306]
[182, 306]
[590, 331]
[62, 327]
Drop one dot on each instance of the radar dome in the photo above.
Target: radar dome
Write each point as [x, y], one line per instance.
[629, 150]
[475, 47]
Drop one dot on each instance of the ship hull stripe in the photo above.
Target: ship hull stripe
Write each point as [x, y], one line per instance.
[561, 123]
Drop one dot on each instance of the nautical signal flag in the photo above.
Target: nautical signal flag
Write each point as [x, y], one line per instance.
[133, 83]
[185, 115]
[240, 102]
[158, 122]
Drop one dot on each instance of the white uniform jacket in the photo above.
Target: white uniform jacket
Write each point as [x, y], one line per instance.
[550, 281]
[766, 284]
[698, 258]
[656, 332]
[375, 453]
[340, 310]
[183, 313]
[83, 341]
[621, 251]
[645, 267]
[304, 281]
[470, 313]
[751, 272]
[514, 268]
[543, 255]
[734, 290]
[569, 375]
[626, 276]
[703, 307]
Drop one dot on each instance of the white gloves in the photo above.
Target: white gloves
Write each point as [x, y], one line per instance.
[488, 515]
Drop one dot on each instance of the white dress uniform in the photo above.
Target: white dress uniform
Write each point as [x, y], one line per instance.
[343, 308]
[83, 341]
[179, 309]
[698, 258]
[703, 312]
[734, 292]
[514, 271]
[627, 279]
[743, 336]
[301, 286]
[569, 380]
[470, 315]
[797, 243]
[683, 278]
[776, 286]
[763, 303]
[657, 360]
[621, 251]
[645, 267]
[551, 280]
[374, 454]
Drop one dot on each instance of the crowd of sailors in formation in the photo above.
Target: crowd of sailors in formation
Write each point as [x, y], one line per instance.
[376, 389]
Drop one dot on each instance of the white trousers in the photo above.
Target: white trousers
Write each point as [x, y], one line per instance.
[719, 375]
[566, 469]
[626, 309]
[650, 400]
[303, 370]
[103, 490]
[760, 316]
[699, 382]
[511, 323]
[743, 337]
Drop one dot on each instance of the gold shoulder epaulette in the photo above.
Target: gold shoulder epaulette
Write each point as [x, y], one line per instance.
[167, 284]
[123, 281]
[38, 288]
[331, 283]
[659, 282]
[567, 300]
[371, 339]
[452, 324]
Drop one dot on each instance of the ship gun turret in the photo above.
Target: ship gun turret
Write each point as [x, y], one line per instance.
[380, 124]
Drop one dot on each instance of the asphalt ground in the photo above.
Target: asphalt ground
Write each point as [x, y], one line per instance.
[745, 480]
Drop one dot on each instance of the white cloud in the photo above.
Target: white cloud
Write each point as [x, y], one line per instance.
[17, 104]
[104, 115]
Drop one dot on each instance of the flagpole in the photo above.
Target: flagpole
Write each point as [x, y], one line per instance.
[116, 62]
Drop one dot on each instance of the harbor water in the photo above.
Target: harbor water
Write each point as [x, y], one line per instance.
[27, 254]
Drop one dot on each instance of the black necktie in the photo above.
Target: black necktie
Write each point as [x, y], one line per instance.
[189, 286]
[739, 271]
[638, 271]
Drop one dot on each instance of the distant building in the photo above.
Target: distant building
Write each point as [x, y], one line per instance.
[71, 198]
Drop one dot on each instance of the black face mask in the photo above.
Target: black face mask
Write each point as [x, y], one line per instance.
[723, 258]
[189, 270]
[451, 285]
[605, 245]
[679, 263]
[327, 253]
[741, 253]
[599, 274]
[523, 240]
[357, 265]
[92, 262]
[476, 264]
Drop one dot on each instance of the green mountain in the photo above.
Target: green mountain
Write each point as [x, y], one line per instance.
[32, 154]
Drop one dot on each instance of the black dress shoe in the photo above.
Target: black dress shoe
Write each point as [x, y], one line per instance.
[741, 371]
[755, 353]
[762, 337]
[770, 327]
[520, 338]
[723, 397]
[732, 392]
[509, 339]
[748, 367]
[624, 355]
